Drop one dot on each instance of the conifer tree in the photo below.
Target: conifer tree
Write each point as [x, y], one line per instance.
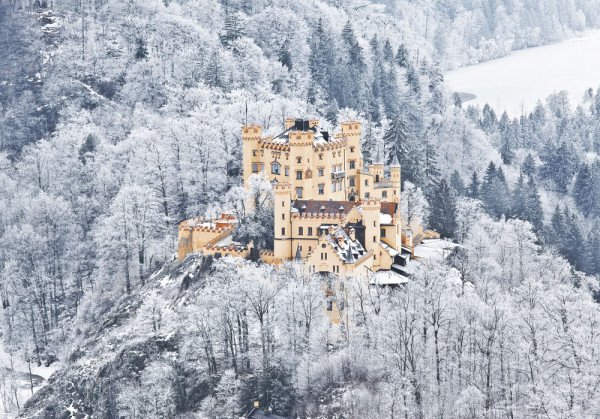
[518, 199]
[533, 205]
[457, 183]
[506, 151]
[473, 189]
[442, 217]
[528, 168]
[593, 248]
[583, 191]
[402, 56]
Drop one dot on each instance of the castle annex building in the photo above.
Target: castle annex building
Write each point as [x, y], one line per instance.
[330, 211]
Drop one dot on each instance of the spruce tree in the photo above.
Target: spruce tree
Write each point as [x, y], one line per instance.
[506, 151]
[593, 248]
[473, 189]
[528, 168]
[457, 183]
[583, 192]
[402, 56]
[442, 217]
[388, 54]
[533, 205]
[518, 199]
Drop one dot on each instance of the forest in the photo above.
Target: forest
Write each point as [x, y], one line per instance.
[119, 119]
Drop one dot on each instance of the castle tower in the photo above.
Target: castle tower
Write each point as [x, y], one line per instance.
[376, 168]
[250, 136]
[282, 195]
[351, 130]
[395, 175]
[371, 209]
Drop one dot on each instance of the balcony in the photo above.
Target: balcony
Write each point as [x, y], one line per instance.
[338, 175]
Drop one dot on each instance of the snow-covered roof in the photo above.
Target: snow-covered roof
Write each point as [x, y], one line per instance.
[348, 250]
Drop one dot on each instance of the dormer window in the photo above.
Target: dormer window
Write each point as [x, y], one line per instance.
[276, 169]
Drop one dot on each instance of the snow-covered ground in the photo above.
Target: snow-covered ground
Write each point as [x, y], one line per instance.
[15, 384]
[515, 83]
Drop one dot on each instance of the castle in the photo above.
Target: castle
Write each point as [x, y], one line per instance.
[330, 212]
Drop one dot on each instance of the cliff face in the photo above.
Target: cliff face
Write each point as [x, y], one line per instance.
[120, 348]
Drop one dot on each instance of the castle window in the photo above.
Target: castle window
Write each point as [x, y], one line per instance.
[323, 246]
[374, 239]
[394, 192]
[298, 160]
[287, 156]
[309, 248]
[300, 248]
[321, 189]
[283, 203]
[352, 164]
[299, 174]
[309, 233]
[339, 185]
[321, 171]
[283, 231]
[376, 178]
[351, 149]
[383, 232]
[320, 156]
[299, 192]
[276, 169]
[287, 171]
[254, 167]
[352, 181]
[384, 194]
[283, 216]
[300, 231]
[333, 185]
[254, 153]
[367, 195]
[366, 182]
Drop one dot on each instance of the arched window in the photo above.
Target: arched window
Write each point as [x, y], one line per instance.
[298, 160]
[276, 168]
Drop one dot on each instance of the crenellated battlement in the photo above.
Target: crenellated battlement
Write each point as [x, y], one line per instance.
[252, 132]
[282, 188]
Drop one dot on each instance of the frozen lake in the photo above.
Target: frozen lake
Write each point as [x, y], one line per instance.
[515, 83]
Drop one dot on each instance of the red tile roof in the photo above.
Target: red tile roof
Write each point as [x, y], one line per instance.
[388, 208]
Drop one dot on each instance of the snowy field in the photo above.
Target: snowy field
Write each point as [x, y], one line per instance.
[515, 83]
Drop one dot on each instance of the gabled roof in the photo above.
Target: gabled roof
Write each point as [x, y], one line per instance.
[348, 250]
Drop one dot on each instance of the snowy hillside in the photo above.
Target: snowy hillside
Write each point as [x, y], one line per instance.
[120, 119]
